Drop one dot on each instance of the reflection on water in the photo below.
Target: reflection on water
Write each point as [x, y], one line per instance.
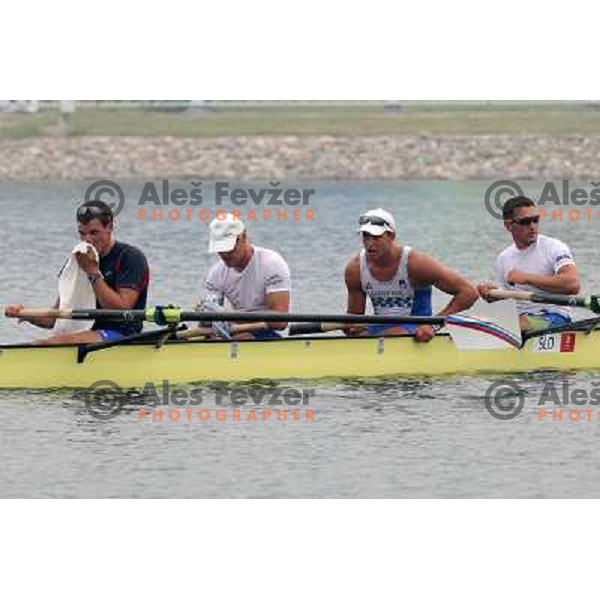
[388, 437]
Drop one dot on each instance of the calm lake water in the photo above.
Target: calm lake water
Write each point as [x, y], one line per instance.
[388, 438]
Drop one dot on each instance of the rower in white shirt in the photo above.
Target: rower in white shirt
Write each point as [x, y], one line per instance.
[251, 278]
[533, 263]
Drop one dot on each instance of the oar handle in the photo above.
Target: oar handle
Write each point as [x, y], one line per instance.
[36, 313]
[590, 302]
[510, 295]
[195, 332]
[312, 328]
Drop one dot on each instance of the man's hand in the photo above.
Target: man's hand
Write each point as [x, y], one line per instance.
[517, 277]
[424, 333]
[88, 263]
[13, 310]
[222, 330]
[484, 290]
[354, 330]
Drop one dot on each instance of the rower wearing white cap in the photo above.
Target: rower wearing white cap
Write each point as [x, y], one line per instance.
[398, 280]
[251, 278]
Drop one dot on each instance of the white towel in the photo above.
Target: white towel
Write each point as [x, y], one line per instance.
[75, 291]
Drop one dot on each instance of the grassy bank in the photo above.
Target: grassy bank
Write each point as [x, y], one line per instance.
[412, 118]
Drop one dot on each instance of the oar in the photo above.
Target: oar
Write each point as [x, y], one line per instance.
[467, 332]
[208, 331]
[497, 329]
[590, 302]
[164, 316]
[295, 329]
[488, 327]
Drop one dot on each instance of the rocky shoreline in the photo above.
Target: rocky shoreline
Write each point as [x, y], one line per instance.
[261, 158]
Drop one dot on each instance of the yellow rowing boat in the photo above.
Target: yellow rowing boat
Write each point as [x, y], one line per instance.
[135, 364]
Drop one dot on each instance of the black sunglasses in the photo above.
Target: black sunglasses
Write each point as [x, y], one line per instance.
[527, 220]
[89, 213]
[364, 219]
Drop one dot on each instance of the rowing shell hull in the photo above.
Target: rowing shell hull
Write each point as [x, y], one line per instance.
[186, 362]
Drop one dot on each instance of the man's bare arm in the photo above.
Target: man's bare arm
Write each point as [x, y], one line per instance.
[123, 298]
[278, 302]
[425, 270]
[12, 310]
[357, 298]
[566, 281]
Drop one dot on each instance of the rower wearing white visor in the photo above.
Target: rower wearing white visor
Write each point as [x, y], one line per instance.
[251, 278]
[398, 280]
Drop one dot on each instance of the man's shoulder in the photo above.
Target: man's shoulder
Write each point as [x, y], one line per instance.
[556, 251]
[269, 256]
[268, 252]
[547, 242]
[418, 260]
[414, 256]
[353, 263]
[216, 278]
[129, 251]
[509, 251]
[217, 270]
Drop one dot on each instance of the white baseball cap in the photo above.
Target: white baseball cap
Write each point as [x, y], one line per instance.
[377, 222]
[223, 234]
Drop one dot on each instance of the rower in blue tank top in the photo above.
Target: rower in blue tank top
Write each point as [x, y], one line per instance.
[398, 280]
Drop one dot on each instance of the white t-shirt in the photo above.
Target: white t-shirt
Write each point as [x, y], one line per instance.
[546, 257]
[266, 273]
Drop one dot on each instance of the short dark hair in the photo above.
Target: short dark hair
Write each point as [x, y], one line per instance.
[99, 210]
[514, 203]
